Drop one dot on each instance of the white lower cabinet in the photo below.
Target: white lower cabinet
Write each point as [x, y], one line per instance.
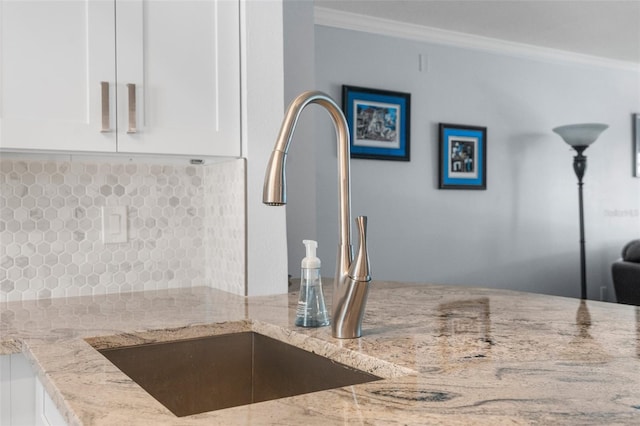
[5, 399]
[46, 413]
[23, 400]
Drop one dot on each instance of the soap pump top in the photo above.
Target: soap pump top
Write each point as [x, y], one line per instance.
[310, 261]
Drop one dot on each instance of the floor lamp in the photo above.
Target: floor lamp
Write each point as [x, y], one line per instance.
[579, 137]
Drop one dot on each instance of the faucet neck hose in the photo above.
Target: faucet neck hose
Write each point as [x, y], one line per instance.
[342, 135]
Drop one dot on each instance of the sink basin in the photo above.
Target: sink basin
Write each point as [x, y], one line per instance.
[215, 372]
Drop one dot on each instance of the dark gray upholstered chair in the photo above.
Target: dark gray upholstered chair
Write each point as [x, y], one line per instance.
[626, 274]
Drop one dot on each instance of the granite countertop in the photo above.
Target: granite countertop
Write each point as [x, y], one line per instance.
[449, 355]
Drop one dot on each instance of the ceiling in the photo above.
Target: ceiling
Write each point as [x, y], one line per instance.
[602, 28]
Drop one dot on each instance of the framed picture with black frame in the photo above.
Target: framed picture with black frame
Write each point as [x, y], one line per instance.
[462, 157]
[636, 145]
[379, 123]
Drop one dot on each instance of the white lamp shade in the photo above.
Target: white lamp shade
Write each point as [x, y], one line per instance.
[581, 134]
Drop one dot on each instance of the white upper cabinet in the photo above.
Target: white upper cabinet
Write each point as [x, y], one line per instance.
[53, 56]
[132, 76]
[187, 78]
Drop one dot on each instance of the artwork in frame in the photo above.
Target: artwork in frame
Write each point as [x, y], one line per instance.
[636, 145]
[379, 123]
[462, 157]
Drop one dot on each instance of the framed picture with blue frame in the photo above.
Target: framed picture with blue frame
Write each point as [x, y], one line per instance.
[462, 157]
[379, 123]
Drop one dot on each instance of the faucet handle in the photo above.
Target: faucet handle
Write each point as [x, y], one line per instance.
[360, 269]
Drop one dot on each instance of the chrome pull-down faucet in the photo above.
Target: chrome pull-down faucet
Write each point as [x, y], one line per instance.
[351, 284]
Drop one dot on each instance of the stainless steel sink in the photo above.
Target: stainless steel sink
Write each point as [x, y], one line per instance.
[210, 373]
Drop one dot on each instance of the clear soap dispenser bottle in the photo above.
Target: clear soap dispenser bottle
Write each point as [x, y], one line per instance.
[311, 311]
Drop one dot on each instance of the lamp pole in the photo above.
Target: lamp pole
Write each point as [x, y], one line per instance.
[579, 166]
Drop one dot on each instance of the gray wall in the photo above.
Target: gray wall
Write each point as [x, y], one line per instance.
[522, 232]
[299, 76]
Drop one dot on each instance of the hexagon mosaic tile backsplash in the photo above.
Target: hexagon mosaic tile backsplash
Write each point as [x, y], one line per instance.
[51, 241]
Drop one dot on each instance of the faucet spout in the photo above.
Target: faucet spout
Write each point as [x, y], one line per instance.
[274, 193]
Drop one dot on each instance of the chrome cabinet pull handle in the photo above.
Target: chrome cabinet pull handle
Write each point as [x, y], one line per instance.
[104, 102]
[131, 89]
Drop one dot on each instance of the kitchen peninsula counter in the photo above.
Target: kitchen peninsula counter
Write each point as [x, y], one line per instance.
[448, 355]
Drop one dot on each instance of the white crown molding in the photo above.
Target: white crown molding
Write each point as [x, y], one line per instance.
[356, 22]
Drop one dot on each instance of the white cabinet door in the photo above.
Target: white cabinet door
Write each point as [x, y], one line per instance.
[5, 389]
[182, 56]
[187, 79]
[53, 56]
[23, 400]
[17, 389]
[46, 414]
